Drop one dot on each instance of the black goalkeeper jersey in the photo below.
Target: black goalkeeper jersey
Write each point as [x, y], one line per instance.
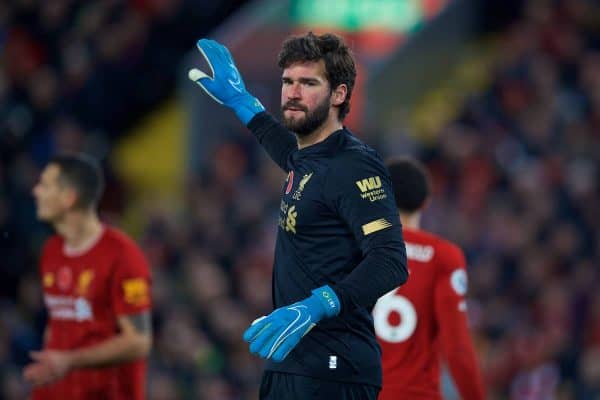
[338, 226]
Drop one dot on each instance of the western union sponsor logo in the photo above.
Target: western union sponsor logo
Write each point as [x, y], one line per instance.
[367, 184]
[374, 195]
[375, 226]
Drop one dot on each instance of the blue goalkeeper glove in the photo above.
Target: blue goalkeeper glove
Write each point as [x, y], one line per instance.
[275, 335]
[225, 85]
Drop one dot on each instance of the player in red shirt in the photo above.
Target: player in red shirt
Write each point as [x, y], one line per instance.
[424, 321]
[96, 285]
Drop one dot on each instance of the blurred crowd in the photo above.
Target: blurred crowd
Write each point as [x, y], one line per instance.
[516, 183]
[75, 75]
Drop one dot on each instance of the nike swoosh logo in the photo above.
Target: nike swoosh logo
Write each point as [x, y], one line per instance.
[292, 328]
[237, 82]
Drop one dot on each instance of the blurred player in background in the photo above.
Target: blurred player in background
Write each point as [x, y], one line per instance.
[424, 322]
[339, 243]
[96, 285]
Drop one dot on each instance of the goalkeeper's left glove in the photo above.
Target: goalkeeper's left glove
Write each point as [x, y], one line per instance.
[226, 85]
[275, 335]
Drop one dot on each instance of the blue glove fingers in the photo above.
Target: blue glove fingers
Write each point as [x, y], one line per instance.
[218, 54]
[289, 342]
[284, 349]
[210, 48]
[264, 343]
[218, 58]
[293, 331]
[264, 340]
[223, 70]
[207, 83]
[255, 328]
[207, 54]
[226, 85]
[232, 75]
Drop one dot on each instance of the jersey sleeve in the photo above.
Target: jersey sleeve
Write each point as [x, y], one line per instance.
[359, 189]
[131, 286]
[450, 309]
[274, 138]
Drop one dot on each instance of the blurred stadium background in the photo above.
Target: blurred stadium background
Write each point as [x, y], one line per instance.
[501, 99]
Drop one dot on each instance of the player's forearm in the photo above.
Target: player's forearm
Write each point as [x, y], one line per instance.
[382, 270]
[277, 141]
[458, 350]
[465, 372]
[121, 348]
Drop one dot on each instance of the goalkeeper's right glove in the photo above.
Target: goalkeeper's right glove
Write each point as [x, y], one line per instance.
[276, 335]
[226, 85]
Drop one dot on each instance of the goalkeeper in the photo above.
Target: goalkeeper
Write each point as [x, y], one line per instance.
[339, 244]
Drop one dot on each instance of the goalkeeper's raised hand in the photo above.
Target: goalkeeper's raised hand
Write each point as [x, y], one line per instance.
[275, 335]
[225, 84]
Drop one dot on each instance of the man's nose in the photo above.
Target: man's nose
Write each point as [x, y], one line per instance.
[295, 91]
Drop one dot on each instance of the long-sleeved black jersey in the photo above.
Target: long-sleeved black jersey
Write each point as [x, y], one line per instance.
[338, 226]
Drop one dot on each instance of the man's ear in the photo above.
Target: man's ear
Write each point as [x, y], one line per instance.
[69, 196]
[338, 96]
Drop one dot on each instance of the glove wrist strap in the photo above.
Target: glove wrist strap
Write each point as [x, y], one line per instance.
[246, 108]
[328, 300]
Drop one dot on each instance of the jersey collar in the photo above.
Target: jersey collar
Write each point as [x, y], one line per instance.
[325, 147]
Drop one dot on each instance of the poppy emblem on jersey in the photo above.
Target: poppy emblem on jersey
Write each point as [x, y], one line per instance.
[64, 278]
[290, 182]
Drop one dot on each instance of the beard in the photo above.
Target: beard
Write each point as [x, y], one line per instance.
[312, 120]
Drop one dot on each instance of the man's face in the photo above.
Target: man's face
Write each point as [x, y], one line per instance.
[305, 97]
[52, 198]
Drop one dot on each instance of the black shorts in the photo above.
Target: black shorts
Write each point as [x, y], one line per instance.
[281, 386]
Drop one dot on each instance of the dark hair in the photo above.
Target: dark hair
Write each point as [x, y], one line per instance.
[410, 181]
[339, 63]
[82, 173]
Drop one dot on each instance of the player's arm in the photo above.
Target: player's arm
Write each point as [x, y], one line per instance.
[450, 312]
[274, 137]
[226, 86]
[361, 191]
[133, 342]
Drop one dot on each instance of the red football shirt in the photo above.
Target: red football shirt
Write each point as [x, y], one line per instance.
[424, 322]
[85, 294]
